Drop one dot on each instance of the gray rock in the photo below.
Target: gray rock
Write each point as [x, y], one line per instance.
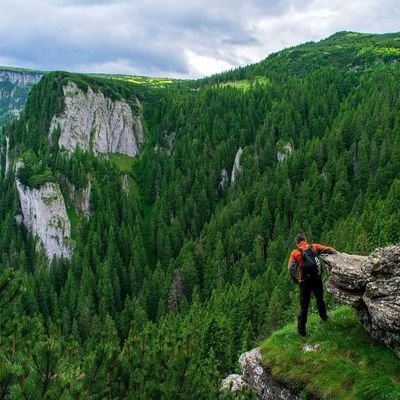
[347, 280]
[92, 122]
[234, 383]
[224, 180]
[284, 153]
[372, 286]
[236, 166]
[80, 198]
[21, 78]
[260, 380]
[311, 348]
[45, 216]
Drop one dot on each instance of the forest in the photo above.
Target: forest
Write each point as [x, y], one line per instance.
[171, 281]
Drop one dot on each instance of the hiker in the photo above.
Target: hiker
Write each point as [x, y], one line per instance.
[305, 269]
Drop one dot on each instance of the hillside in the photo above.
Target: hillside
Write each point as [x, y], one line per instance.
[149, 224]
[341, 360]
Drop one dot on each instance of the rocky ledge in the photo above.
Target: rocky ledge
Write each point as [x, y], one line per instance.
[257, 378]
[372, 286]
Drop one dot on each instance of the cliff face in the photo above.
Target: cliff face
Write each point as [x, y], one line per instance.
[372, 286]
[92, 122]
[45, 216]
[14, 88]
[236, 165]
[20, 77]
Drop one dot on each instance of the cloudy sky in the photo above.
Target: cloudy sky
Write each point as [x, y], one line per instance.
[175, 38]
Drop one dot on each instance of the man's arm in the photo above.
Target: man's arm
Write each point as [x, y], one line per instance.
[321, 249]
[293, 268]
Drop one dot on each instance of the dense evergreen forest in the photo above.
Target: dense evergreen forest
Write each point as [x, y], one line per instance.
[173, 279]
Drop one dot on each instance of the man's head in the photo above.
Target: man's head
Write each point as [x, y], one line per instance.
[299, 238]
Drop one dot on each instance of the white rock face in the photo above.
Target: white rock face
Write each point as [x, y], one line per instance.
[234, 383]
[7, 155]
[20, 77]
[236, 166]
[80, 198]
[125, 184]
[224, 180]
[45, 216]
[256, 377]
[285, 153]
[92, 122]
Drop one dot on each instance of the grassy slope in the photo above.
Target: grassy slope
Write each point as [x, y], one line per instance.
[350, 365]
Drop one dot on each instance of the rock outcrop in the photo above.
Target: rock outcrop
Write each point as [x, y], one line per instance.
[372, 286]
[224, 180]
[45, 216]
[236, 165]
[14, 88]
[80, 198]
[92, 122]
[7, 167]
[257, 378]
[20, 77]
[284, 153]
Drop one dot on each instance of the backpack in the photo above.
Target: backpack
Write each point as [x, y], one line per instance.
[311, 264]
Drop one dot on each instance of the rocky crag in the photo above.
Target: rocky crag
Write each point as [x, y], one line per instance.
[89, 122]
[45, 216]
[370, 284]
[255, 377]
[14, 88]
[92, 122]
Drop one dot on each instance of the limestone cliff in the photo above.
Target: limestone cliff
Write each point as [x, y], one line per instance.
[45, 216]
[236, 165]
[20, 77]
[7, 167]
[79, 198]
[14, 88]
[92, 122]
[372, 286]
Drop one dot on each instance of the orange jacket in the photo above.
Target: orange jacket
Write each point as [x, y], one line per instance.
[295, 264]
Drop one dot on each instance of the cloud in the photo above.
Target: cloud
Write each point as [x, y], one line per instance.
[171, 37]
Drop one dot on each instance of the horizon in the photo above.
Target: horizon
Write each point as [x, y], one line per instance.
[43, 71]
[174, 40]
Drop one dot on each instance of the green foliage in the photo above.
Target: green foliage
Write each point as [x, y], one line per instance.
[349, 365]
[177, 270]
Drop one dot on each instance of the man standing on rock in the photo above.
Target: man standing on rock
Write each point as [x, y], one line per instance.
[305, 269]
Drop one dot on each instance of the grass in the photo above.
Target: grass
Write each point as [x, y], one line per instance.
[123, 162]
[138, 80]
[74, 220]
[350, 365]
[245, 84]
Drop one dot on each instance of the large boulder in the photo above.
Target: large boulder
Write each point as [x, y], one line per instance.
[372, 286]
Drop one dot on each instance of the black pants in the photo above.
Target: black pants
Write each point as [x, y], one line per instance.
[312, 285]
